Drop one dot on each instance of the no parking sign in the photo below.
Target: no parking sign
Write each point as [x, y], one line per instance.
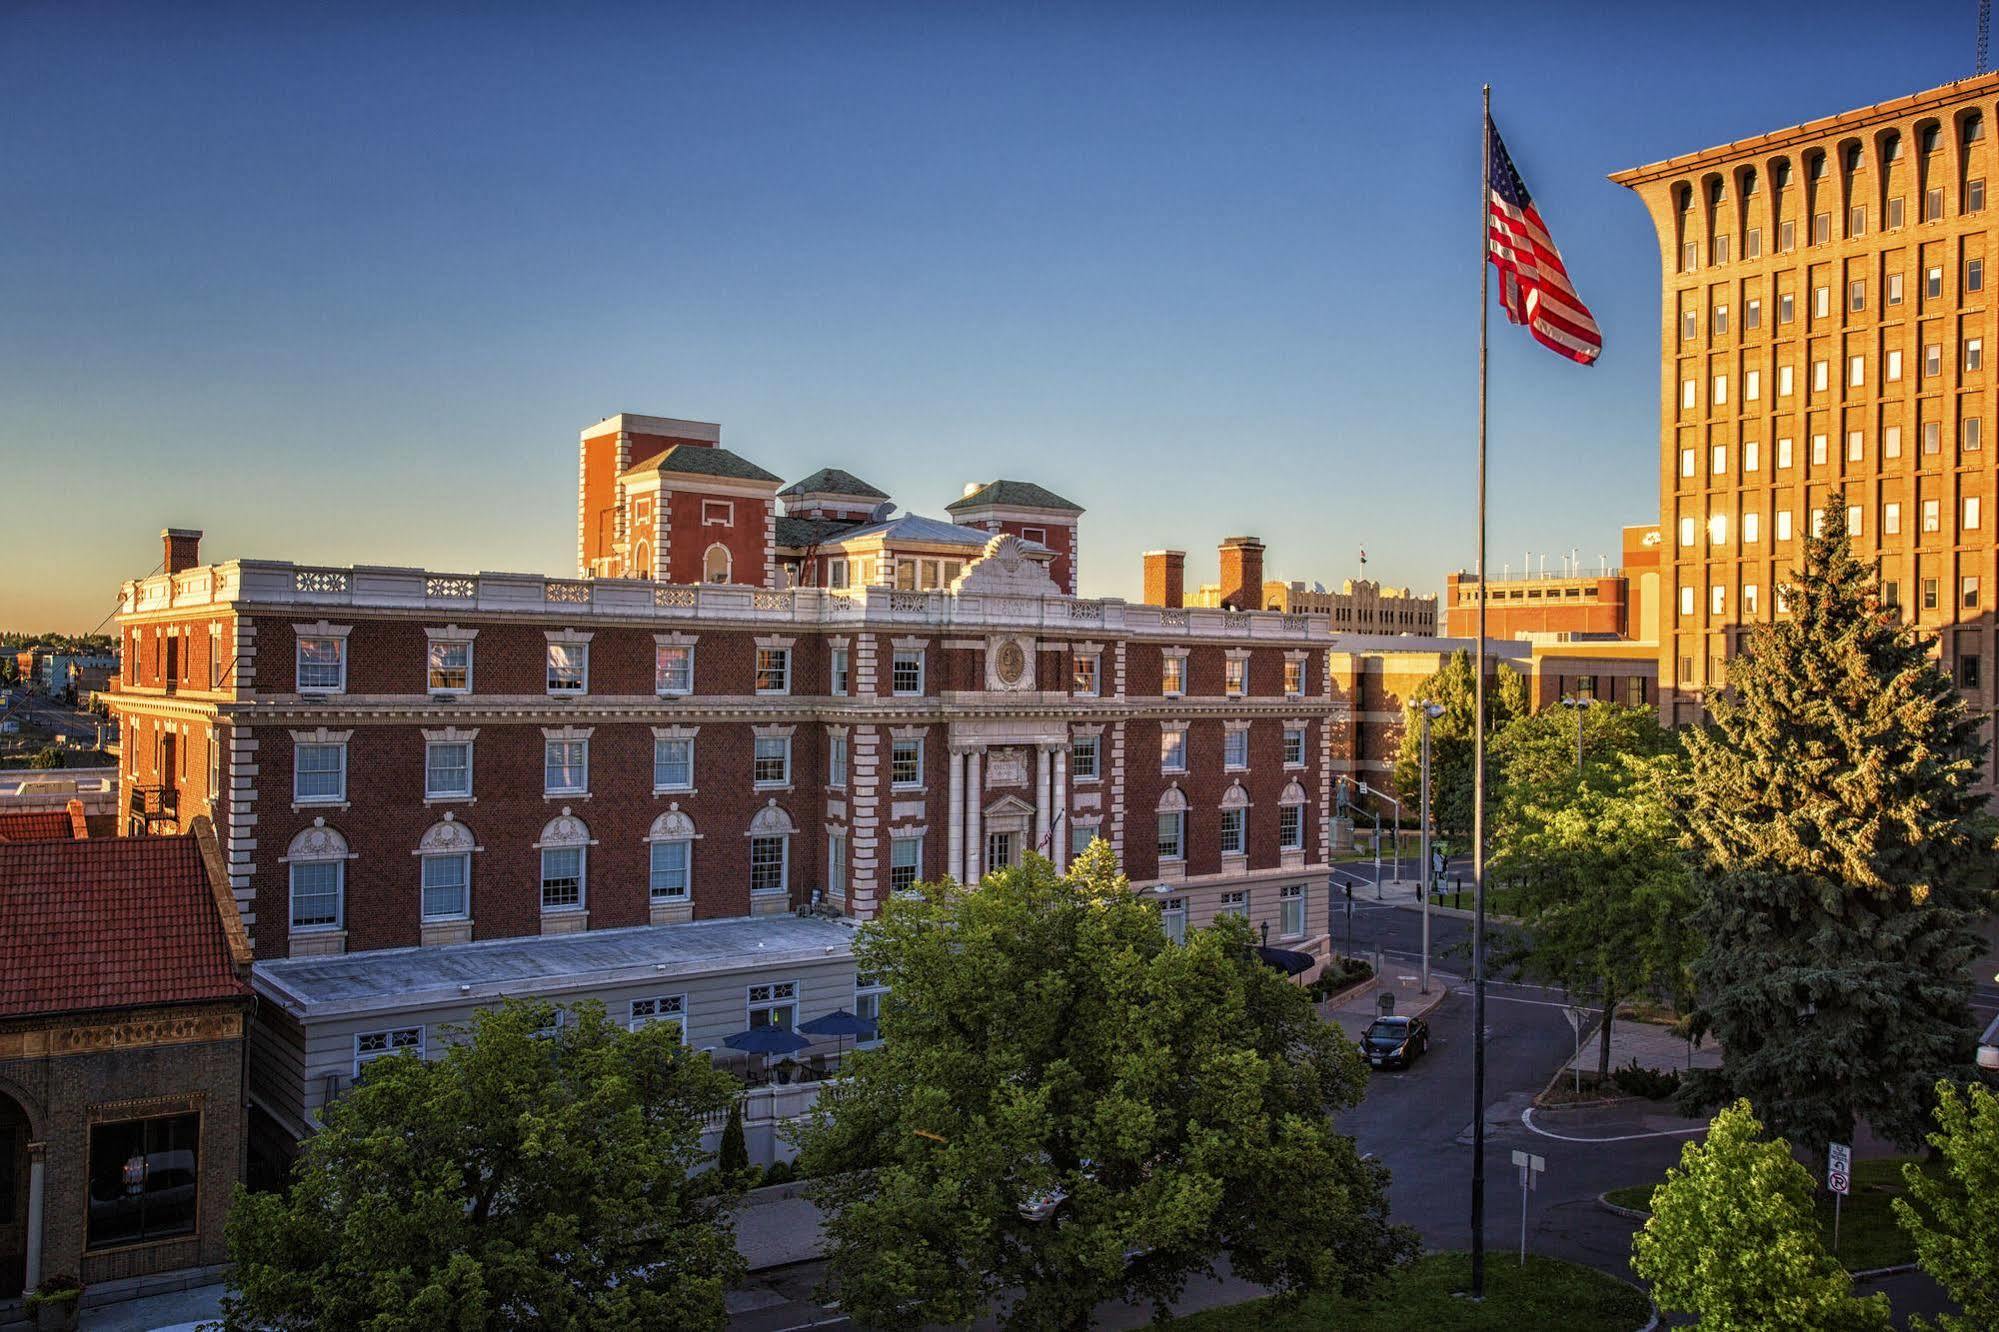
[1839, 1167]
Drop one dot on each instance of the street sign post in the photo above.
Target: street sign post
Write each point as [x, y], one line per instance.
[1530, 1168]
[1576, 1016]
[1838, 1178]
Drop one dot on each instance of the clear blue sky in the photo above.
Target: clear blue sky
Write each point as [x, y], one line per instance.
[341, 282]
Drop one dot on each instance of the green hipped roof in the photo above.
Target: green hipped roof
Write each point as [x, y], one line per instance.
[705, 460]
[798, 533]
[1015, 494]
[833, 481]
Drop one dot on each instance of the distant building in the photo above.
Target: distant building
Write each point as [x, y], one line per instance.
[1361, 606]
[1572, 603]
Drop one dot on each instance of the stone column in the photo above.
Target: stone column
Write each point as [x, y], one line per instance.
[1041, 810]
[1059, 821]
[36, 1152]
[954, 864]
[975, 799]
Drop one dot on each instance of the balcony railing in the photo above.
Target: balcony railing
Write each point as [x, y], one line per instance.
[154, 802]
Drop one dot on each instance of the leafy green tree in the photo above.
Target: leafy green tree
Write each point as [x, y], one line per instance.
[1832, 801]
[1733, 1242]
[1451, 736]
[520, 1180]
[1601, 883]
[1048, 1053]
[1955, 1226]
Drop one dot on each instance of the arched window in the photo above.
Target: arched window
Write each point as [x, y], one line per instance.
[1173, 824]
[1291, 818]
[445, 856]
[318, 866]
[1235, 820]
[672, 853]
[642, 561]
[770, 851]
[564, 847]
[715, 564]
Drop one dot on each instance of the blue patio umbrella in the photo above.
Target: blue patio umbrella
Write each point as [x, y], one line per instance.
[766, 1041]
[840, 1023]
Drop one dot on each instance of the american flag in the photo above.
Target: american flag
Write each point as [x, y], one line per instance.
[1534, 287]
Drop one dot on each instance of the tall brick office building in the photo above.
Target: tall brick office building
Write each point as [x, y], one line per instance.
[675, 784]
[1826, 324]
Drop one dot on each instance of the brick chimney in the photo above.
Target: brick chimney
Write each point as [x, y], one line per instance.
[1242, 573]
[1166, 578]
[183, 548]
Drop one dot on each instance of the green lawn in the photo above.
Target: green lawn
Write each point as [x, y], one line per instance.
[1868, 1235]
[1545, 1293]
[1498, 901]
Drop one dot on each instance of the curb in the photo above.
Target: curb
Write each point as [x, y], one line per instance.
[1628, 1213]
[1863, 1274]
[1457, 913]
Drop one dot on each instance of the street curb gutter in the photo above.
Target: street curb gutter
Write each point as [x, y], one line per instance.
[1629, 1213]
[1864, 1274]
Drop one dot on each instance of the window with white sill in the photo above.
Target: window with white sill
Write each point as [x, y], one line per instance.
[771, 764]
[773, 670]
[1086, 674]
[672, 763]
[319, 773]
[660, 1008]
[1235, 675]
[836, 760]
[905, 763]
[447, 885]
[448, 666]
[905, 861]
[773, 1005]
[568, 668]
[673, 669]
[1294, 746]
[562, 878]
[322, 665]
[447, 770]
[1235, 749]
[1173, 749]
[565, 767]
[1291, 911]
[906, 673]
[1084, 753]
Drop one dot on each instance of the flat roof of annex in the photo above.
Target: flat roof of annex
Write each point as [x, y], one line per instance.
[1811, 131]
[271, 586]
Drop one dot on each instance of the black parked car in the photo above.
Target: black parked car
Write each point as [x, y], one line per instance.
[1394, 1042]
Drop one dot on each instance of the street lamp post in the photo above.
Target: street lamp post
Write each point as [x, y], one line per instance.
[1576, 705]
[1367, 790]
[1431, 711]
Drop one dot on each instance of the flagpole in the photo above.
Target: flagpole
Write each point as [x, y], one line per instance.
[1478, 739]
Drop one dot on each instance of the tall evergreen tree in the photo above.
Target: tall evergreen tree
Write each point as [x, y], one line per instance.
[1831, 800]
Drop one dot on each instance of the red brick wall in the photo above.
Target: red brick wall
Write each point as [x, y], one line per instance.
[689, 537]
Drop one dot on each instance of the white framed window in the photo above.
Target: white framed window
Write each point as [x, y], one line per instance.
[1891, 519]
[1294, 746]
[1688, 394]
[1821, 376]
[770, 851]
[1721, 390]
[1933, 282]
[1971, 435]
[1235, 748]
[1291, 911]
[1891, 441]
[672, 763]
[1974, 353]
[673, 668]
[1752, 528]
[1894, 371]
[1083, 757]
[1895, 284]
[841, 676]
[565, 766]
[773, 1005]
[669, 866]
[1686, 530]
[836, 866]
[372, 1045]
[1688, 466]
[1752, 310]
[568, 668]
[1235, 676]
[1822, 302]
[1818, 522]
[319, 773]
[1974, 275]
[1721, 319]
[1690, 325]
[905, 763]
[905, 861]
[773, 670]
[836, 759]
[1173, 834]
[1750, 455]
[1932, 360]
[447, 769]
[318, 892]
[1856, 446]
[1686, 600]
[1932, 519]
[447, 886]
[1932, 437]
[1232, 904]
[716, 564]
[659, 1008]
[1290, 827]
[1087, 674]
[1784, 386]
[906, 673]
[1971, 513]
[1173, 749]
[1294, 679]
[771, 763]
[1173, 673]
[1856, 371]
[836, 572]
[1234, 825]
[448, 666]
[1752, 385]
[322, 664]
[1718, 460]
[1173, 919]
[1080, 837]
[1787, 304]
[1856, 295]
[1818, 450]
[868, 992]
[562, 878]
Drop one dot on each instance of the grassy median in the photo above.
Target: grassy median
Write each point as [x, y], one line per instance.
[1868, 1235]
[1426, 1294]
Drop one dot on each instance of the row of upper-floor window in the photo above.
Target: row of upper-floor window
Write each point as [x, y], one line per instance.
[1972, 201]
[1929, 513]
[322, 664]
[1970, 357]
[1232, 823]
[320, 765]
[1970, 440]
[1933, 288]
[1930, 594]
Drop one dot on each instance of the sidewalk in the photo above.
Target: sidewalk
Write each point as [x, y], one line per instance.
[1402, 980]
[1652, 1045]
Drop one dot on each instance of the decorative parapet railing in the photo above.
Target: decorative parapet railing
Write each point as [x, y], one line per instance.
[275, 586]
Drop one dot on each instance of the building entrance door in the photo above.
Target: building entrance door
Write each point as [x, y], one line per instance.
[13, 1198]
[1002, 850]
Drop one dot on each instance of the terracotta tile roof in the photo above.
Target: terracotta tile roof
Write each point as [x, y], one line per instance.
[35, 825]
[112, 923]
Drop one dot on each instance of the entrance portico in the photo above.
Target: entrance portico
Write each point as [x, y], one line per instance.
[1007, 778]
